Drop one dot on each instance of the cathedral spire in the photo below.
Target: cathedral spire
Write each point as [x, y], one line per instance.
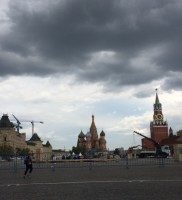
[92, 118]
[92, 127]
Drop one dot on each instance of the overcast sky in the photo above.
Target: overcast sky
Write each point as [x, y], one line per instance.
[62, 61]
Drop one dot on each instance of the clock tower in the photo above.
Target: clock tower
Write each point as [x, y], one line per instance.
[158, 127]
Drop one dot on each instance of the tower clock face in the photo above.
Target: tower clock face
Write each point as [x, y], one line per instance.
[158, 117]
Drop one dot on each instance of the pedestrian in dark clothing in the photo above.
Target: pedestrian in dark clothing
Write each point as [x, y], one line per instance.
[29, 167]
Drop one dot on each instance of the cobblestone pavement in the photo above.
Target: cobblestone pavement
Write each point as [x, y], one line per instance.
[107, 183]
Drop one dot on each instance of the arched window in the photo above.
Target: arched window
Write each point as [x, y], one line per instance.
[5, 137]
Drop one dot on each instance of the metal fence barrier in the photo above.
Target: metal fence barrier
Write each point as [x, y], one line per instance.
[56, 161]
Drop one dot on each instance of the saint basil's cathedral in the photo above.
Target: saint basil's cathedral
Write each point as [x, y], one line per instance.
[91, 140]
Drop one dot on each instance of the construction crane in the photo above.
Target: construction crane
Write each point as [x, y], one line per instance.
[133, 147]
[159, 151]
[18, 127]
[31, 121]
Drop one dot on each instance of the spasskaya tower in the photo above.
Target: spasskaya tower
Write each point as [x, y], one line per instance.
[158, 127]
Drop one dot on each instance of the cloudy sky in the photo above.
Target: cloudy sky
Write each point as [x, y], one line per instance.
[62, 61]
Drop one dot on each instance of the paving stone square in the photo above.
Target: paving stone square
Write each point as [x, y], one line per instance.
[107, 183]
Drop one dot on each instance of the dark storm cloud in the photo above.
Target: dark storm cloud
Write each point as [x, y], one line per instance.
[172, 82]
[66, 37]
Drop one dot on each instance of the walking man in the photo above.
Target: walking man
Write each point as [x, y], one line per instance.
[29, 167]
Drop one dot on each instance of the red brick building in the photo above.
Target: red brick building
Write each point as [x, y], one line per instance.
[158, 127]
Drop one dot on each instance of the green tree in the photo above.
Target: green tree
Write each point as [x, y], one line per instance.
[116, 151]
[78, 150]
[22, 152]
[6, 151]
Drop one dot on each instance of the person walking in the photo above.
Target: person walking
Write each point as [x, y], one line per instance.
[29, 166]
